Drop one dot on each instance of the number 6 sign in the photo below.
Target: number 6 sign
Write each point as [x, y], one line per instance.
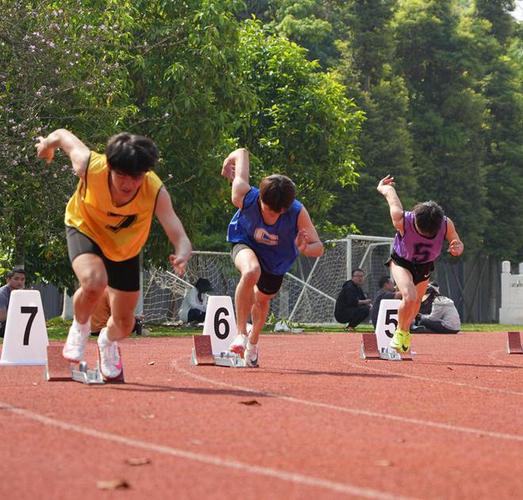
[220, 323]
[387, 321]
[25, 339]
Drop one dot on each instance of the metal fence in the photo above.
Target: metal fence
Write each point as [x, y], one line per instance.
[473, 283]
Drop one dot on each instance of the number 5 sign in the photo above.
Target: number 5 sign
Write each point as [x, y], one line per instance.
[25, 339]
[220, 323]
[387, 321]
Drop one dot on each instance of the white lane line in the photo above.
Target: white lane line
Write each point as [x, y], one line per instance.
[217, 461]
[431, 379]
[353, 411]
[438, 381]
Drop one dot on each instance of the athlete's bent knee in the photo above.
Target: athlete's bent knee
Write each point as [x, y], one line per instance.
[252, 275]
[93, 284]
[410, 297]
[124, 324]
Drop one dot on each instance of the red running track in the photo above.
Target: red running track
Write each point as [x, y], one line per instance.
[324, 424]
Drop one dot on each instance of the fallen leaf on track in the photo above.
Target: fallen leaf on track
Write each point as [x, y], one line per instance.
[251, 402]
[113, 484]
[138, 461]
[151, 362]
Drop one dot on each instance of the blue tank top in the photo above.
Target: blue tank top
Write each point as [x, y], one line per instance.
[414, 247]
[273, 245]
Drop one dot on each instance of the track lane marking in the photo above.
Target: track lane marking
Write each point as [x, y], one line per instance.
[353, 411]
[214, 460]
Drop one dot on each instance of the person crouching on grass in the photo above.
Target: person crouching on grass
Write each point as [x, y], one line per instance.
[268, 232]
[418, 243]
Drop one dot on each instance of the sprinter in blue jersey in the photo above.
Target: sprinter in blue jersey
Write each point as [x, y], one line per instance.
[420, 234]
[268, 232]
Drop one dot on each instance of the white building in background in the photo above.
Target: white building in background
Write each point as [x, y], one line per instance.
[511, 310]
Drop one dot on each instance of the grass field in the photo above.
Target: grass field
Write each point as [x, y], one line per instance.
[57, 329]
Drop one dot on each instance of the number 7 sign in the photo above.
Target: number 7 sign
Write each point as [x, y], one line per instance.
[25, 338]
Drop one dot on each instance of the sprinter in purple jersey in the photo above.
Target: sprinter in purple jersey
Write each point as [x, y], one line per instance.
[418, 243]
[268, 232]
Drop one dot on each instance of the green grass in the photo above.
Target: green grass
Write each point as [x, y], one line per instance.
[57, 329]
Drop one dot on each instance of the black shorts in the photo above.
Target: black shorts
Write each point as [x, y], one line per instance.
[269, 284]
[420, 272]
[124, 275]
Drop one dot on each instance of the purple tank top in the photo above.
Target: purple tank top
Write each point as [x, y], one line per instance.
[414, 247]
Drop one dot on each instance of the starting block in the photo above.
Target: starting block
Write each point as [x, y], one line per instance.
[514, 343]
[87, 376]
[57, 368]
[202, 354]
[369, 346]
[60, 369]
[369, 350]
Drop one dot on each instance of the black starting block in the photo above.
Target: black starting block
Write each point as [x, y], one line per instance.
[202, 354]
[514, 343]
[59, 369]
[369, 350]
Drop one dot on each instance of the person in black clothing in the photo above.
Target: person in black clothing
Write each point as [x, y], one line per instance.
[426, 303]
[387, 291]
[352, 306]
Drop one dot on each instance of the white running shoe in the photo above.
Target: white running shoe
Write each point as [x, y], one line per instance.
[239, 344]
[76, 341]
[251, 355]
[110, 360]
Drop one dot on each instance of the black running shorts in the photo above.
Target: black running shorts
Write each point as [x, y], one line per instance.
[420, 272]
[124, 275]
[268, 284]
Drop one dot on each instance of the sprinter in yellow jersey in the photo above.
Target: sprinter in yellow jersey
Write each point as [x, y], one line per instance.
[107, 223]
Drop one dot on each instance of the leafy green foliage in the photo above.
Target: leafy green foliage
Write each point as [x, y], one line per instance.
[334, 93]
[303, 125]
[52, 75]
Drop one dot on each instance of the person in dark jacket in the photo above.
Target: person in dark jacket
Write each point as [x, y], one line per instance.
[352, 306]
[387, 291]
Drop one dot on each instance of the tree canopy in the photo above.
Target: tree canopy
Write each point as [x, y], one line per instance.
[336, 94]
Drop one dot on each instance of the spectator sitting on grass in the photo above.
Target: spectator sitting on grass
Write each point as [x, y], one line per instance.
[194, 302]
[443, 317]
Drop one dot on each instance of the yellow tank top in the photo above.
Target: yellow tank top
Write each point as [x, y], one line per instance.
[120, 232]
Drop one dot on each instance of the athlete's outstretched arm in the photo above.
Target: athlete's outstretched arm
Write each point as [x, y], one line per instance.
[73, 147]
[174, 230]
[308, 241]
[236, 168]
[456, 246]
[386, 188]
